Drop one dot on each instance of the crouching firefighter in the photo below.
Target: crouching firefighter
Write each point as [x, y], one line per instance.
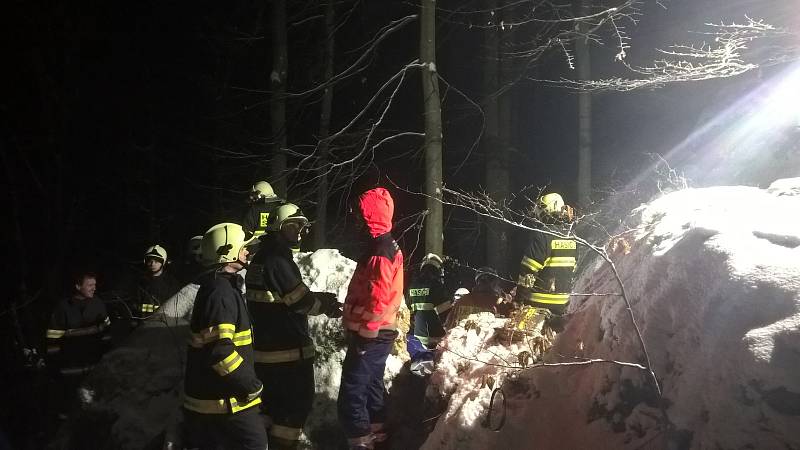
[548, 265]
[429, 305]
[222, 390]
[280, 304]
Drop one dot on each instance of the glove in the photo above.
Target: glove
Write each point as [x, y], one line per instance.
[247, 398]
[330, 305]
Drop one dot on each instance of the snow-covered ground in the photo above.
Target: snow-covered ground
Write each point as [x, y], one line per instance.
[714, 279]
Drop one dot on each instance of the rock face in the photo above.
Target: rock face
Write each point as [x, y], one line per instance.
[713, 276]
[132, 399]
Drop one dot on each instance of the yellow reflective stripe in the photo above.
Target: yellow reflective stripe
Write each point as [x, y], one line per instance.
[442, 307]
[243, 338]
[229, 364]
[210, 334]
[284, 432]
[281, 356]
[56, 334]
[259, 233]
[563, 244]
[260, 296]
[552, 299]
[236, 406]
[295, 295]
[531, 264]
[423, 307]
[220, 406]
[560, 261]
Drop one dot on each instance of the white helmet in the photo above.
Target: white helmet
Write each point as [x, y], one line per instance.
[432, 259]
[155, 252]
[460, 292]
[196, 246]
[261, 190]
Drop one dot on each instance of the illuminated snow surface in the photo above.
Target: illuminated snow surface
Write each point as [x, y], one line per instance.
[713, 275]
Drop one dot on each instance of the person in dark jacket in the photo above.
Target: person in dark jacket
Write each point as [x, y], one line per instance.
[280, 304]
[222, 389]
[263, 203]
[192, 267]
[548, 264]
[156, 285]
[77, 337]
[483, 298]
[373, 299]
[428, 302]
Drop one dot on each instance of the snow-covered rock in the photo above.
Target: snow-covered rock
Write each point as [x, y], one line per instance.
[713, 276]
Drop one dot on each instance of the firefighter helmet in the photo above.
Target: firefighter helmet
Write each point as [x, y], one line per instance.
[223, 242]
[551, 204]
[262, 190]
[484, 272]
[195, 246]
[288, 212]
[432, 259]
[460, 292]
[156, 252]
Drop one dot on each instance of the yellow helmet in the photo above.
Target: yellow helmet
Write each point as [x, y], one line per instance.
[223, 242]
[262, 189]
[288, 212]
[551, 204]
[157, 252]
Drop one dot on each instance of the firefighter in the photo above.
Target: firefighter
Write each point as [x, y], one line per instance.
[428, 302]
[156, 285]
[548, 264]
[222, 389]
[192, 267]
[280, 304]
[77, 336]
[483, 298]
[373, 300]
[262, 203]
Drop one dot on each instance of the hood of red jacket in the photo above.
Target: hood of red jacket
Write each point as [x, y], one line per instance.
[377, 209]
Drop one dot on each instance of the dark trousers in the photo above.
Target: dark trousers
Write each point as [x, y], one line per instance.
[361, 400]
[287, 398]
[243, 430]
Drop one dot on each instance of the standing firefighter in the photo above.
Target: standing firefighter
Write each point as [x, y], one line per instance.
[222, 390]
[280, 304]
[156, 285]
[548, 264]
[428, 302]
[373, 299]
[263, 202]
[77, 337]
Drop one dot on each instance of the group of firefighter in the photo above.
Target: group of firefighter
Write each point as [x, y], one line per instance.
[249, 376]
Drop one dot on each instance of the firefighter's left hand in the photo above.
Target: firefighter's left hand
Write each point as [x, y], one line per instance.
[330, 305]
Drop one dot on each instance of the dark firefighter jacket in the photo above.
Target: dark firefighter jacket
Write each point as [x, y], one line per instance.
[376, 289]
[478, 301]
[546, 271]
[153, 291]
[280, 304]
[220, 378]
[429, 305]
[257, 215]
[77, 335]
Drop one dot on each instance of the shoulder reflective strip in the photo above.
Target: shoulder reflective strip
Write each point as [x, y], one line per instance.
[210, 334]
[55, 334]
[442, 307]
[284, 432]
[531, 264]
[205, 406]
[551, 299]
[260, 296]
[236, 406]
[295, 295]
[229, 364]
[282, 356]
[563, 244]
[243, 338]
[423, 307]
[560, 261]
[419, 292]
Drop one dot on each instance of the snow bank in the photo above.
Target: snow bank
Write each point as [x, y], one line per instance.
[714, 279]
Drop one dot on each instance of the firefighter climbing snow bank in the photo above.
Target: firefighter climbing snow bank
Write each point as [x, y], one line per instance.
[713, 276]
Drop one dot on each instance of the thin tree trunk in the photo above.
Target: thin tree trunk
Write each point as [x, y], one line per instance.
[434, 233]
[584, 67]
[321, 222]
[277, 110]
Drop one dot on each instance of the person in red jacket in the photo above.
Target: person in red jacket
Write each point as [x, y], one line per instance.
[370, 318]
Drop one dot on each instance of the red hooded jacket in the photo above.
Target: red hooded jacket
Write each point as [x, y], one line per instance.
[376, 289]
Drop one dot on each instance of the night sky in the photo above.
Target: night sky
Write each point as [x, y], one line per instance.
[126, 124]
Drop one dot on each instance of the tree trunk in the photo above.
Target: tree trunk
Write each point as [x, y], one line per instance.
[583, 61]
[277, 109]
[320, 223]
[434, 233]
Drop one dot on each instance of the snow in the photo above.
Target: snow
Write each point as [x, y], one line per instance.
[713, 276]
